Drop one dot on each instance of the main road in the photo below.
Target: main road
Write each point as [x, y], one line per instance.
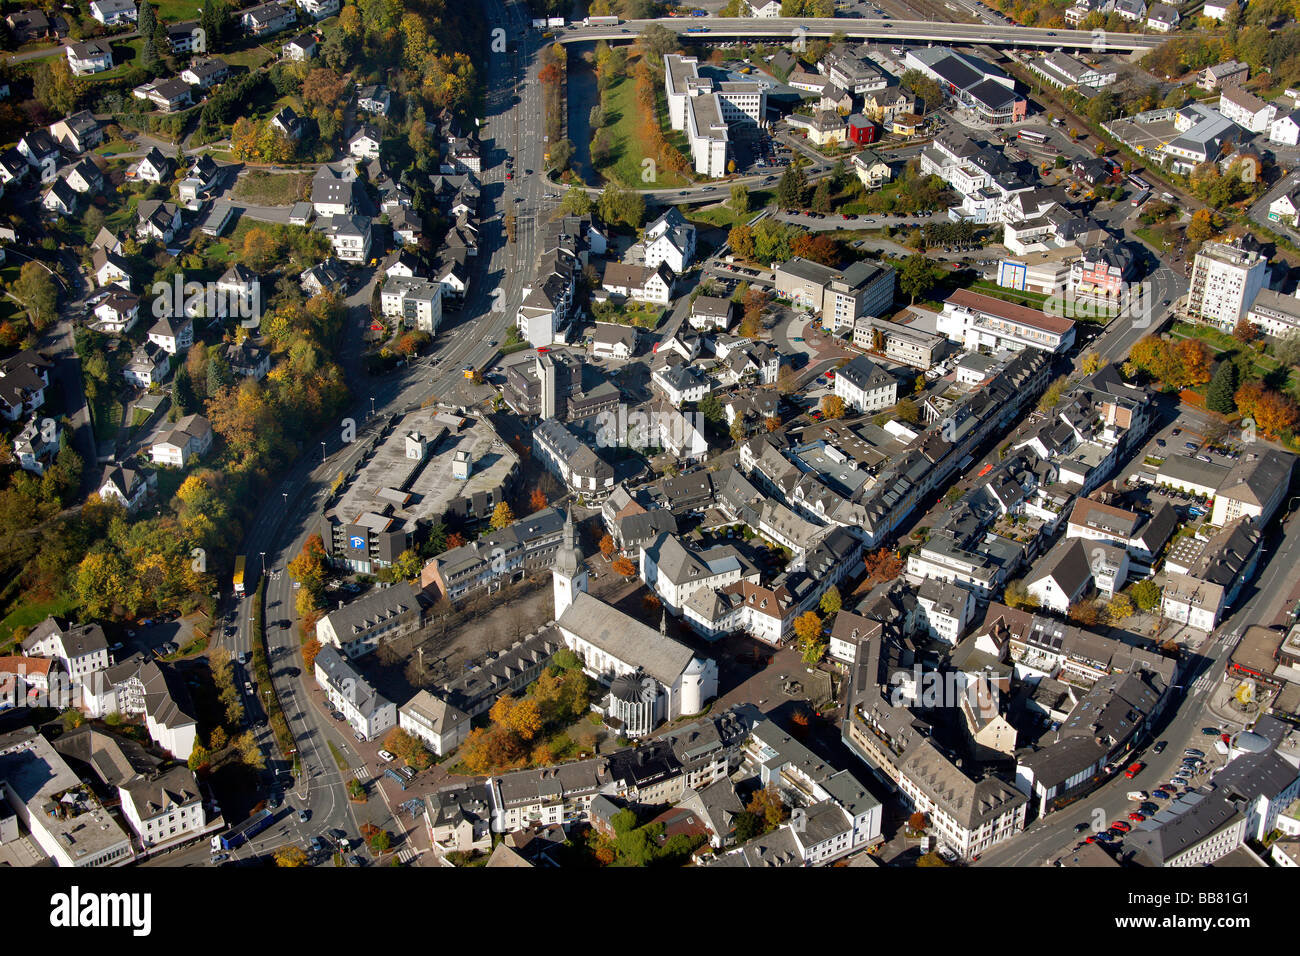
[288, 514]
[858, 28]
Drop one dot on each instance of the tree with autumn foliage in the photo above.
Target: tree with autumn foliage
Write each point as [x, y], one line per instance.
[455, 540]
[1272, 412]
[309, 651]
[767, 805]
[832, 406]
[607, 547]
[310, 565]
[537, 500]
[808, 626]
[881, 565]
[624, 566]
[741, 241]
[502, 516]
[1246, 331]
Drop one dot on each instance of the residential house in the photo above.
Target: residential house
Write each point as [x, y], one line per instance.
[205, 72]
[147, 366]
[300, 49]
[82, 649]
[113, 13]
[157, 220]
[92, 56]
[365, 142]
[174, 334]
[118, 311]
[155, 167]
[23, 380]
[79, 133]
[266, 18]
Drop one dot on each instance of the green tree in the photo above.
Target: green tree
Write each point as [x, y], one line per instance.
[821, 198]
[1287, 349]
[55, 87]
[792, 188]
[219, 374]
[1145, 594]
[183, 396]
[917, 276]
[34, 288]
[147, 25]
[576, 201]
[1220, 396]
[215, 21]
[710, 406]
[831, 601]
[740, 199]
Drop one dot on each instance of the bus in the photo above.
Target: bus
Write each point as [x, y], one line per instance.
[697, 29]
[239, 575]
[1140, 197]
[1032, 136]
[1138, 183]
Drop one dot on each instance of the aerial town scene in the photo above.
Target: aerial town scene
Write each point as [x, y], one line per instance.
[609, 433]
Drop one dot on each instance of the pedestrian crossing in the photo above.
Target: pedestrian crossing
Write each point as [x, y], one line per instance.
[1201, 684]
[407, 853]
[362, 774]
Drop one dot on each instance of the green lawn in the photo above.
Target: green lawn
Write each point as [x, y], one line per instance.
[177, 11]
[30, 613]
[627, 152]
[252, 58]
[722, 214]
[641, 314]
[271, 189]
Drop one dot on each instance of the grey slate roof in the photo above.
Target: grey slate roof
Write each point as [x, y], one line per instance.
[625, 638]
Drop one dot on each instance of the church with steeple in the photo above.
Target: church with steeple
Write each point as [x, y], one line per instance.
[651, 677]
[568, 574]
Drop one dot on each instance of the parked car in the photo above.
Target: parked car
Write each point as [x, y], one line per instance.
[385, 756]
[1193, 752]
[1136, 817]
[1160, 746]
[1080, 827]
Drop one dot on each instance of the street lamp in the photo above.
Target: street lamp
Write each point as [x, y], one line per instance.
[322, 453]
[263, 554]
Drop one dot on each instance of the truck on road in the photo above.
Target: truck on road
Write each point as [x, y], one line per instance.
[241, 833]
[239, 575]
[601, 21]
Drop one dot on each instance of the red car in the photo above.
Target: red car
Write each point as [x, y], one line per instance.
[1134, 770]
[1121, 826]
[510, 175]
[1136, 817]
[1092, 838]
